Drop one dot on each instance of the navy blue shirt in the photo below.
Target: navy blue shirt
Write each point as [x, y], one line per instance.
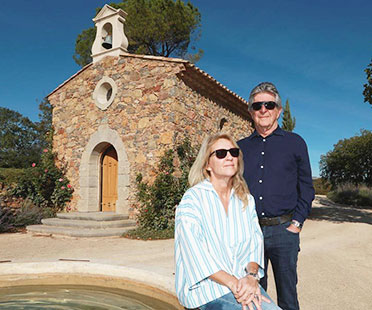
[277, 171]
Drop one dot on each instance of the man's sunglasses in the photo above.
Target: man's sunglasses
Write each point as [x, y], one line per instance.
[270, 105]
[221, 153]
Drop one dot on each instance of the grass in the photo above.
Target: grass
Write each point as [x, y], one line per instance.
[146, 234]
[349, 194]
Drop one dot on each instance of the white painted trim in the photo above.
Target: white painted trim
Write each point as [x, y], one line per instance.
[100, 92]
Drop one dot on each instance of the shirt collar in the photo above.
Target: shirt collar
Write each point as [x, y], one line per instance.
[207, 185]
[277, 132]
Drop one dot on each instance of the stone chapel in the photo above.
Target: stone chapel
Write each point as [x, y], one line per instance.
[117, 116]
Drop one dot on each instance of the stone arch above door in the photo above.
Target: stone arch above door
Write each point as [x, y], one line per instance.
[89, 172]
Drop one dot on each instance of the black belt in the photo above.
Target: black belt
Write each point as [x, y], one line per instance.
[270, 221]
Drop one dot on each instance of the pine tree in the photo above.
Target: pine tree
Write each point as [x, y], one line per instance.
[166, 28]
[288, 123]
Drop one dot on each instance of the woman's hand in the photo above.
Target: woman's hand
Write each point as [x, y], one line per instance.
[246, 289]
[249, 293]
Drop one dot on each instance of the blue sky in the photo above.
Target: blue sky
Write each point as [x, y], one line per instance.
[314, 51]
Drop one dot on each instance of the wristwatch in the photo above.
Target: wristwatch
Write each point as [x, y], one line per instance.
[297, 224]
[254, 275]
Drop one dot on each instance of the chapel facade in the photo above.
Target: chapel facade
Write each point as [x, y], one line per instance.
[118, 115]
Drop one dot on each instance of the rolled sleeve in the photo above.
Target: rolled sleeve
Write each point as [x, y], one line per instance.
[198, 263]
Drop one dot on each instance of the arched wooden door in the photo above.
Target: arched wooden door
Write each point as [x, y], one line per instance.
[109, 180]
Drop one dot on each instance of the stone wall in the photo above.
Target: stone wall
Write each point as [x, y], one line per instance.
[153, 109]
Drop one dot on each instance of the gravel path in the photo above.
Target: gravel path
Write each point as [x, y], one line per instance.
[335, 262]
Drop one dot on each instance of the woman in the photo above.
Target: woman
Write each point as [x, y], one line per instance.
[218, 241]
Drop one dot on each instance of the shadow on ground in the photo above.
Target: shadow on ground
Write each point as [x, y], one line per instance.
[325, 210]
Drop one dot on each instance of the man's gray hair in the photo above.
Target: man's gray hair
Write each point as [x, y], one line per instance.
[265, 87]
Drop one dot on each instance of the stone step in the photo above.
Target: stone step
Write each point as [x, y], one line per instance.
[87, 223]
[93, 216]
[78, 232]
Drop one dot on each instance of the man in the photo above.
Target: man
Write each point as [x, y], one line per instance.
[278, 174]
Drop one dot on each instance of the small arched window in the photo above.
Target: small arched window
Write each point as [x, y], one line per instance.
[223, 121]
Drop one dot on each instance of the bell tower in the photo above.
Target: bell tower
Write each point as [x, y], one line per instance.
[110, 37]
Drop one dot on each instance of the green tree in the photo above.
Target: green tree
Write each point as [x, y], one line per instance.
[350, 161]
[19, 138]
[83, 47]
[44, 126]
[367, 93]
[288, 123]
[153, 27]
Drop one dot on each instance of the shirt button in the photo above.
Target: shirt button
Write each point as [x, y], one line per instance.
[264, 140]
[261, 167]
[261, 197]
[260, 181]
[262, 153]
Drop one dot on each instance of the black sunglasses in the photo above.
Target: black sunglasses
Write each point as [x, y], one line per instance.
[221, 153]
[270, 105]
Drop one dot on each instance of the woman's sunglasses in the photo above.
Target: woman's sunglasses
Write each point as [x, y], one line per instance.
[221, 153]
[270, 105]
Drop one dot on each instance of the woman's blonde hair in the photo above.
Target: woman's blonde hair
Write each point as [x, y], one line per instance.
[199, 172]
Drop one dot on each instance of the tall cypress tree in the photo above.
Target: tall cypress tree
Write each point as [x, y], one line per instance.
[288, 123]
[367, 93]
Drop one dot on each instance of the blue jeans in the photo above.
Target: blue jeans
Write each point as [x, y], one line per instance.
[281, 249]
[228, 302]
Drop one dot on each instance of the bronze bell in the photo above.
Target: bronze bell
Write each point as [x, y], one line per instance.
[107, 44]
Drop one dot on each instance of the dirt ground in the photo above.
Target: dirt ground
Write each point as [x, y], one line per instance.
[335, 262]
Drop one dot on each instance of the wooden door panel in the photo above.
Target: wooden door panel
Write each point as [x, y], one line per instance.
[109, 181]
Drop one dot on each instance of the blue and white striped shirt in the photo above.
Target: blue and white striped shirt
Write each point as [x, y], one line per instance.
[208, 240]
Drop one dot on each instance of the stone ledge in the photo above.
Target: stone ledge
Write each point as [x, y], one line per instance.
[80, 273]
[93, 216]
[78, 232]
[87, 223]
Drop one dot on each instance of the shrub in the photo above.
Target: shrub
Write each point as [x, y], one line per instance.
[6, 219]
[352, 195]
[9, 176]
[30, 214]
[158, 200]
[44, 184]
[321, 186]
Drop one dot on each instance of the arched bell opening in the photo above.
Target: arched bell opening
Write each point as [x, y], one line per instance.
[107, 36]
[108, 180]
